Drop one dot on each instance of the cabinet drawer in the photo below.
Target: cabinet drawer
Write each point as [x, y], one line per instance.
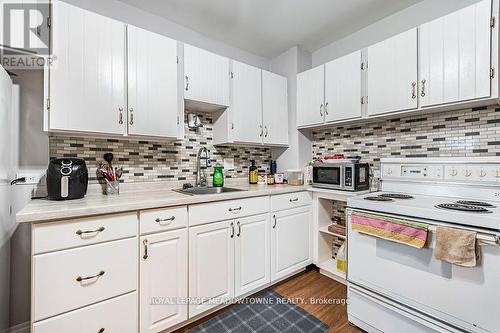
[226, 210]
[157, 220]
[64, 235]
[290, 200]
[115, 315]
[62, 281]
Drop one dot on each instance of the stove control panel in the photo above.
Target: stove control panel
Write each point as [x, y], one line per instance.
[473, 173]
[422, 172]
[453, 172]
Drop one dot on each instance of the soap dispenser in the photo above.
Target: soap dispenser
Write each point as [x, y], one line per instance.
[218, 178]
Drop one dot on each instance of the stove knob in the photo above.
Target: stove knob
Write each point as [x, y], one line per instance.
[482, 173]
[453, 172]
[468, 173]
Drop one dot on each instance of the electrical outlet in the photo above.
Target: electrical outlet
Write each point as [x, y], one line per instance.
[30, 177]
[228, 163]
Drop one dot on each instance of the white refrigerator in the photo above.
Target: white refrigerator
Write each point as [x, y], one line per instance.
[8, 166]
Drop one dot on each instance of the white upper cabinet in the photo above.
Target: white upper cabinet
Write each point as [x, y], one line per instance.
[87, 79]
[206, 79]
[392, 74]
[455, 56]
[152, 84]
[274, 108]
[164, 273]
[246, 103]
[343, 88]
[311, 96]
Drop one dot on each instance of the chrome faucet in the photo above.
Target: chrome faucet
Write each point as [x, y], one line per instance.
[201, 177]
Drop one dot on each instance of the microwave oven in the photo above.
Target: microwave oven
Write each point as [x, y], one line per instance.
[343, 174]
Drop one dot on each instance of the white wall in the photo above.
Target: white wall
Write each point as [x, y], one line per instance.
[299, 152]
[132, 15]
[406, 19]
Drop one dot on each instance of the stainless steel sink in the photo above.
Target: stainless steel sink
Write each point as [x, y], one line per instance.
[208, 190]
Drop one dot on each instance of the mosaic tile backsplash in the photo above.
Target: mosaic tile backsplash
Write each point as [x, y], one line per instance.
[471, 132]
[145, 161]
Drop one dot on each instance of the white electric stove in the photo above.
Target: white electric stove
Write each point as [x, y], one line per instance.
[397, 288]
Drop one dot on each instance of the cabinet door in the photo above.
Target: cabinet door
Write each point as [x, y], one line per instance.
[252, 253]
[87, 78]
[392, 74]
[206, 76]
[455, 52]
[311, 96]
[343, 88]
[211, 264]
[152, 84]
[290, 241]
[246, 105]
[164, 274]
[275, 108]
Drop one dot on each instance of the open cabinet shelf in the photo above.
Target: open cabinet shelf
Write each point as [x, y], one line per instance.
[328, 242]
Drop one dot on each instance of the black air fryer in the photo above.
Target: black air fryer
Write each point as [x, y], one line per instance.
[67, 178]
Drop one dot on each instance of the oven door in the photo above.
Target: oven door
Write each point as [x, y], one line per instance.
[330, 176]
[463, 297]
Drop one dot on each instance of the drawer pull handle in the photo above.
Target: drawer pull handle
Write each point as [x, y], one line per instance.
[294, 200]
[101, 330]
[80, 279]
[232, 229]
[170, 219]
[145, 243]
[275, 222]
[239, 229]
[235, 209]
[81, 232]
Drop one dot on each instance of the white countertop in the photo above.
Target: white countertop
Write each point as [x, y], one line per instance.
[42, 210]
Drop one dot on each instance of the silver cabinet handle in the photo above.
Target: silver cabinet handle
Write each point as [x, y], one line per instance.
[120, 119]
[80, 279]
[131, 110]
[235, 209]
[239, 229]
[145, 243]
[321, 110]
[232, 229]
[275, 222]
[83, 232]
[414, 90]
[187, 83]
[423, 88]
[326, 108]
[267, 131]
[170, 219]
[294, 200]
[261, 131]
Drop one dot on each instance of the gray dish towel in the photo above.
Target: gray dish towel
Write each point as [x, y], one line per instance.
[456, 246]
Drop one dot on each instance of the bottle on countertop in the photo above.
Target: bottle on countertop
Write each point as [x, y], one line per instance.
[218, 178]
[253, 173]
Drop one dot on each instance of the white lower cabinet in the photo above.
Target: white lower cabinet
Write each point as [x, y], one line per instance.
[71, 279]
[163, 280]
[252, 253]
[290, 241]
[211, 265]
[115, 315]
